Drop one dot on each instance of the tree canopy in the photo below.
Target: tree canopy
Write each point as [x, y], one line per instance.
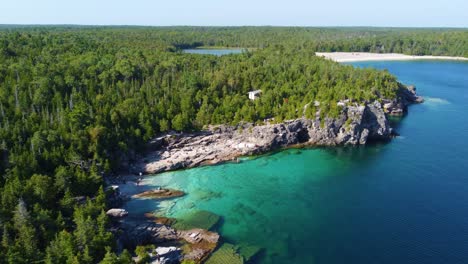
[76, 102]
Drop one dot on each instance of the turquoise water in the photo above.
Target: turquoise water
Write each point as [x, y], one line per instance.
[401, 202]
[217, 52]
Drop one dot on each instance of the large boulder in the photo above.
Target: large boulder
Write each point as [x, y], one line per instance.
[166, 255]
[117, 212]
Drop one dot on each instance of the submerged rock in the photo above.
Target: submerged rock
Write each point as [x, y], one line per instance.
[248, 251]
[206, 195]
[355, 125]
[227, 253]
[162, 220]
[197, 219]
[160, 194]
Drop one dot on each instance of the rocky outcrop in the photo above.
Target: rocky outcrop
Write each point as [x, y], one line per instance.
[114, 198]
[399, 106]
[198, 235]
[198, 243]
[356, 124]
[117, 212]
[145, 233]
[162, 255]
[201, 243]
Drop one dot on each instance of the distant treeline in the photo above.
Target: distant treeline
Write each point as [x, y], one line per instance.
[75, 102]
[411, 41]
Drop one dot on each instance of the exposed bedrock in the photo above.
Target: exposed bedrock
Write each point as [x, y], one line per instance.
[357, 124]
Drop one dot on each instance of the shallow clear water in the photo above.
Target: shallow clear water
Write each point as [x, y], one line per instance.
[401, 202]
[217, 52]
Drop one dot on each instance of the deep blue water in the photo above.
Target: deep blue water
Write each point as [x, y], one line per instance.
[401, 202]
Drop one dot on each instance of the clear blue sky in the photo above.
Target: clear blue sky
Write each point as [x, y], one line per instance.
[417, 13]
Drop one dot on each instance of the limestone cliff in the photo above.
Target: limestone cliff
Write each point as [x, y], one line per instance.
[357, 124]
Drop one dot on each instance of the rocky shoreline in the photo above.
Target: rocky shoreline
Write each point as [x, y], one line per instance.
[189, 239]
[369, 56]
[357, 124]
[179, 239]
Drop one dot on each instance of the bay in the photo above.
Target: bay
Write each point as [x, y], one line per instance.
[401, 202]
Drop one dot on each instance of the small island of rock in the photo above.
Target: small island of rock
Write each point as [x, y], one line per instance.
[160, 194]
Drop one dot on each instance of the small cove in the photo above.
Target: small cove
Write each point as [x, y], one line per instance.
[401, 202]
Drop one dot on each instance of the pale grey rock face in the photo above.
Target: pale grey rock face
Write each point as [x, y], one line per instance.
[161, 251]
[131, 234]
[364, 136]
[166, 255]
[357, 124]
[146, 233]
[399, 106]
[117, 212]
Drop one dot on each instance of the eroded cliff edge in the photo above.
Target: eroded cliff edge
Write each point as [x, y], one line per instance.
[357, 124]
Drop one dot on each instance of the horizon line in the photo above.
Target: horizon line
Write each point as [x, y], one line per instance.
[233, 26]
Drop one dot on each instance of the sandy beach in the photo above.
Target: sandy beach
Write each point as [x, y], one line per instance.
[366, 56]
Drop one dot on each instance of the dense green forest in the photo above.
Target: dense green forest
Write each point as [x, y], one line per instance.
[76, 102]
[412, 41]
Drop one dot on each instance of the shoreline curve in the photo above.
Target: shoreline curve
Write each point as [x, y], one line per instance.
[368, 56]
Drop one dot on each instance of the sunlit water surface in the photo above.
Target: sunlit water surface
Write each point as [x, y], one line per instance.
[402, 202]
